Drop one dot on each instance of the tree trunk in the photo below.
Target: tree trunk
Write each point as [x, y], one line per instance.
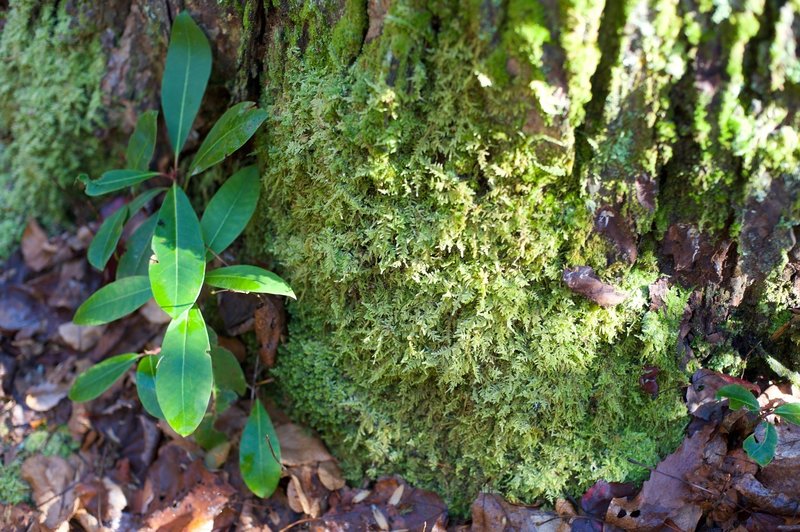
[440, 176]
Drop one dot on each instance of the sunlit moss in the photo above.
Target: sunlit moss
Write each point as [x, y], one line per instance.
[50, 107]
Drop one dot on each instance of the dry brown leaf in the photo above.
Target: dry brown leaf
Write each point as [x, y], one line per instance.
[331, 476]
[80, 338]
[299, 447]
[36, 249]
[43, 397]
[667, 497]
[51, 479]
[583, 281]
[490, 512]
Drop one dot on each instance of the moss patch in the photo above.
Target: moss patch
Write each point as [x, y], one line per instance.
[50, 72]
[423, 210]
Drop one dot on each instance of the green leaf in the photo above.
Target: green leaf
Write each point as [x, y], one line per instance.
[114, 180]
[185, 78]
[105, 241]
[99, 378]
[177, 275]
[142, 142]
[762, 451]
[231, 131]
[738, 396]
[790, 412]
[136, 258]
[230, 209]
[207, 436]
[245, 278]
[258, 451]
[184, 378]
[146, 385]
[228, 373]
[114, 301]
[141, 200]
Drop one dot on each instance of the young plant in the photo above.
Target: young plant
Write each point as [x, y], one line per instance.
[761, 445]
[166, 259]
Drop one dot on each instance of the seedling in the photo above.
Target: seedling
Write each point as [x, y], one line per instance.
[166, 258]
[761, 444]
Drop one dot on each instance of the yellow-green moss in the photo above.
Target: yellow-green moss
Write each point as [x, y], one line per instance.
[50, 72]
[425, 235]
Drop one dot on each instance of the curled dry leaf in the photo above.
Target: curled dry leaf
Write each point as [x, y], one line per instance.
[51, 479]
[583, 281]
[43, 397]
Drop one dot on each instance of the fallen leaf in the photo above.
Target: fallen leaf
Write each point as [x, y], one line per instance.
[583, 281]
[36, 249]
[80, 338]
[651, 509]
[43, 397]
[597, 498]
[648, 381]
[51, 478]
[299, 447]
[415, 510]
[490, 512]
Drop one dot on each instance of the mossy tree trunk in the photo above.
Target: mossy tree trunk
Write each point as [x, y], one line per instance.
[431, 169]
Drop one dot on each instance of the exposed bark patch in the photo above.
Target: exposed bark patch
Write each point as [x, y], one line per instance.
[696, 259]
[376, 11]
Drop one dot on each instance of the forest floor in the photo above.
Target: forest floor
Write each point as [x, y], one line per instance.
[108, 465]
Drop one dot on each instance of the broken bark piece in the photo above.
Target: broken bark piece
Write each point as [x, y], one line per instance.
[583, 281]
[270, 320]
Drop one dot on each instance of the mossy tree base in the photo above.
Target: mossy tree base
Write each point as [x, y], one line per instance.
[432, 167]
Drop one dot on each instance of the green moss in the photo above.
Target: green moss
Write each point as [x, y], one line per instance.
[425, 237]
[50, 107]
[14, 490]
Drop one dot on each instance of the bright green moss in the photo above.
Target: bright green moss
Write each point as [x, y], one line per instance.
[426, 236]
[50, 72]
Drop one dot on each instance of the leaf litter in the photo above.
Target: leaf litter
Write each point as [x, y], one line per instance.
[111, 466]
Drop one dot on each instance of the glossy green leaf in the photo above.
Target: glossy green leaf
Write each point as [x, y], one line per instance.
[185, 78]
[136, 258]
[99, 378]
[142, 199]
[146, 385]
[245, 278]
[231, 131]
[114, 180]
[177, 275]
[114, 301]
[790, 412]
[184, 378]
[258, 450]
[105, 241]
[228, 373]
[738, 396]
[230, 209]
[142, 142]
[762, 450]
